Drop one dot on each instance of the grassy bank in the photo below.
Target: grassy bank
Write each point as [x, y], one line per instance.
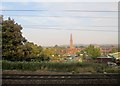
[73, 67]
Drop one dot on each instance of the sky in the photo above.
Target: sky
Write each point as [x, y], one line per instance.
[51, 23]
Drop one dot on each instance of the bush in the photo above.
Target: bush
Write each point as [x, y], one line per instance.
[73, 67]
[112, 70]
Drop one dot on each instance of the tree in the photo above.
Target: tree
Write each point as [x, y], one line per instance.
[16, 47]
[33, 49]
[49, 51]
[43, 57]
[92, 51]
[11, 38]
[114, 50]
[1, 19]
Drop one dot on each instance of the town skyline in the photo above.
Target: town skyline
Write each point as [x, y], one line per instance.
[72, 45]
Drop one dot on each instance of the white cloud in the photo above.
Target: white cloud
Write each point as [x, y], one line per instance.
[2, 7]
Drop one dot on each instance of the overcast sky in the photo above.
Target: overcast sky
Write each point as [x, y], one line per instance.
[51, 23]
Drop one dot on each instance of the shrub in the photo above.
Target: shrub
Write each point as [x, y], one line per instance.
[76, 67]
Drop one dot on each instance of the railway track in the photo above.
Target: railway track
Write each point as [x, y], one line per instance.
[28, 79]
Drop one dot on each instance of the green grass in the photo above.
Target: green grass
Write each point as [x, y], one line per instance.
[74, 67]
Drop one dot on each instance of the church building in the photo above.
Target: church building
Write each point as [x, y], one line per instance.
[71, 50]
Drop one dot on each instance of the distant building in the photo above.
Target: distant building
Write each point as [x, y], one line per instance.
[105, 50]
[71, 42]
[104, 59]
[71, 50]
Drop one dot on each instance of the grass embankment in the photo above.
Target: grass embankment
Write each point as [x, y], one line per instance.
[73, 67]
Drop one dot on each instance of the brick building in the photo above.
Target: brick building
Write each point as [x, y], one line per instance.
[107, 49]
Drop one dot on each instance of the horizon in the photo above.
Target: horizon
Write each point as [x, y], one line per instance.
[76, 45]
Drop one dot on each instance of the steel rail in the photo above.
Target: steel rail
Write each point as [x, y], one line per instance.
[60, 77]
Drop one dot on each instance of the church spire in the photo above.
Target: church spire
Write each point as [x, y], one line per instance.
[71, 41]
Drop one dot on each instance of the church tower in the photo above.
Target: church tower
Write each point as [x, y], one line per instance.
[71, 42]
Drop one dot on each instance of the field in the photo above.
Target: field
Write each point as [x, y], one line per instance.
[59, 67]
